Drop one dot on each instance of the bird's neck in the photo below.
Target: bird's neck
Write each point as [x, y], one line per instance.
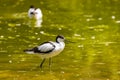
[62, 43]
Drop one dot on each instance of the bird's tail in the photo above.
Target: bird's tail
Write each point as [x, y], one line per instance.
[29, 51]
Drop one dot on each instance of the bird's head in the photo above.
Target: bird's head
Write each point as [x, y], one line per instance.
[60, 38]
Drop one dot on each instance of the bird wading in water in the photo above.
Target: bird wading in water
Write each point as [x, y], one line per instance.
[48, 49]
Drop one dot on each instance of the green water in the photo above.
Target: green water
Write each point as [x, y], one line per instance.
[93, 26]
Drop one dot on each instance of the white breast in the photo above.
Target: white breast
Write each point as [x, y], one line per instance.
[38, 14]
[30, 11]
[58, 49]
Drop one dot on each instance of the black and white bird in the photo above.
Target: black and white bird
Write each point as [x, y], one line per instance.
[31, 11]
[35, 13]
[48, 49]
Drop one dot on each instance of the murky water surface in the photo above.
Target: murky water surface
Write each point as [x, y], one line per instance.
[93, 26]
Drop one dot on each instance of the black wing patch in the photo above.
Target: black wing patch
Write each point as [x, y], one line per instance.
[46, 47]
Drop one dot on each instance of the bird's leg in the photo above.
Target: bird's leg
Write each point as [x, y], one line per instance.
[50, 61]
[42, 63]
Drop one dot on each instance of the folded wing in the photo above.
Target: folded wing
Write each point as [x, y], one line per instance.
[46, 47]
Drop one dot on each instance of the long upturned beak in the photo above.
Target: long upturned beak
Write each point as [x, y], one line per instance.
[66, 40]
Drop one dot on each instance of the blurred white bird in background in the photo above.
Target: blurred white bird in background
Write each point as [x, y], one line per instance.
[38, 13]
[31, 12]
[35, 13]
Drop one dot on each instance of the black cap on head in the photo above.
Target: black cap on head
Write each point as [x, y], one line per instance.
[31, 6]
[59, 36]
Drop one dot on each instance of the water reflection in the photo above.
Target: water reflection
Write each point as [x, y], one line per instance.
[35, 23]
[38, 23]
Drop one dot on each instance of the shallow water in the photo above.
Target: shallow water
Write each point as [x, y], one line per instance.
[93, 26]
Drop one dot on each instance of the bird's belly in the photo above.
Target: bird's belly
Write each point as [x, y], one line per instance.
[51, 54]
